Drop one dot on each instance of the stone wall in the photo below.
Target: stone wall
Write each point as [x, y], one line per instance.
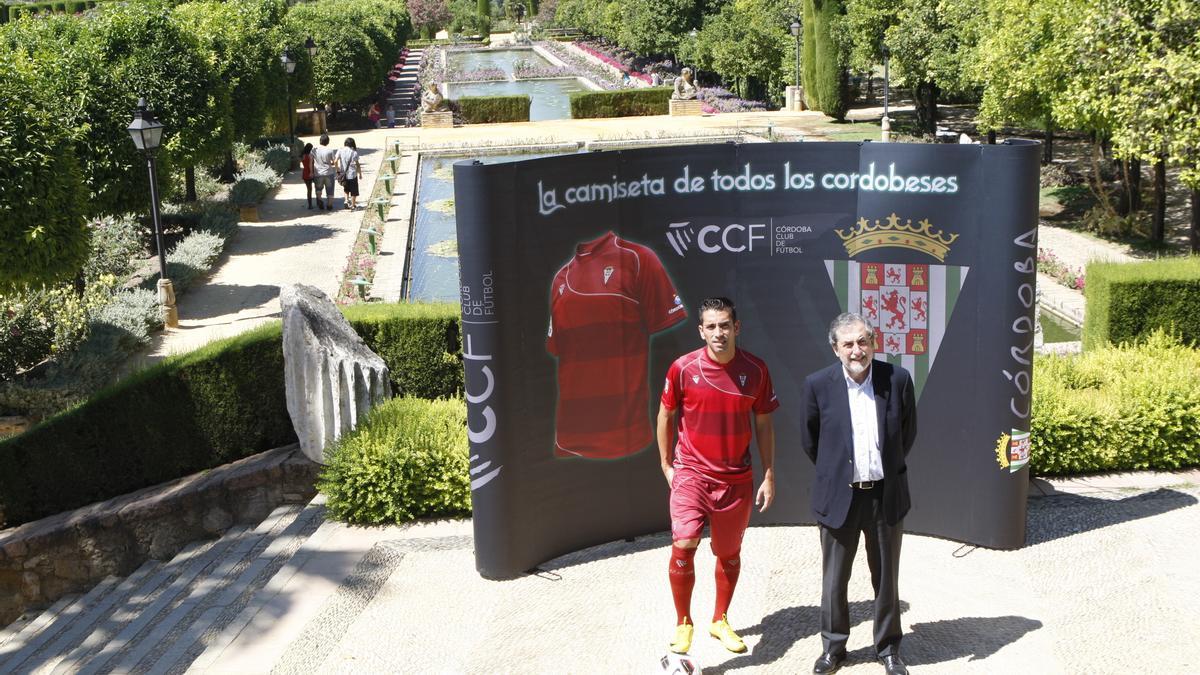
[70, 552]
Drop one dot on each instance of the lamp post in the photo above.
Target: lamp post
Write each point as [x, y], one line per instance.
[318, 119]
[795, 28]
[146, 133]
[886, 124]
[290, 66]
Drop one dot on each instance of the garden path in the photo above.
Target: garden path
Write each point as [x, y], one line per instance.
[289, 244]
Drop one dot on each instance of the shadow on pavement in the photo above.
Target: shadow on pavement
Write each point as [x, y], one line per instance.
[1063, 515]
[977, 637]
[254, 240]
[782, 629]
[215, 300]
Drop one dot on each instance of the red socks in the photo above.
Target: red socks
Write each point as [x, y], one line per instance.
[683, 580]
[728, 570]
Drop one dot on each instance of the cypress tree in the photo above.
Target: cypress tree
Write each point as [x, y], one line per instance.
[826, 80]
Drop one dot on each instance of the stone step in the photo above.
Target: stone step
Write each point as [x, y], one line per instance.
[173, 619]
[227, 604]
[216, 642]
[104, 597]
[32, 631]
[155, 596]
[122, 621]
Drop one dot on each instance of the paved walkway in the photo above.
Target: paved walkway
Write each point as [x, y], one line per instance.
[1106, 584]
[289, 244]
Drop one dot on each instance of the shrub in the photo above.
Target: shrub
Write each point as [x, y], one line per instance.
[43, 235]
[195, 411]
[218, 219]
[278, 158]
[134, 311]
[1117, 408]
[114, 243]
[190, 259]
[620, 103]
[1128, 301]
[248, 191]
[491, 109]
[420, 343]
[209, 407]
[407, 461]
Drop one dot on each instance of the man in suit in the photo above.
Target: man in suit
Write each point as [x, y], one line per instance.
[860, 422]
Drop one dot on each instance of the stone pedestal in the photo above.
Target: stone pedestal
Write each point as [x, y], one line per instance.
[794, 99]
[166, 303]
[680, 108]
[311, 120]
[437, 120]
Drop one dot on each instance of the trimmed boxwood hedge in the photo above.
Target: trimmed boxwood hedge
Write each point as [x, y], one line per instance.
[1128, 301]
[202, 409]
[621, 102]
[1132, 407]
[492, 109]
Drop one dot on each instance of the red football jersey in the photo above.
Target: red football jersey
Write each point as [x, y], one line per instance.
[604, 306]
[716, 401]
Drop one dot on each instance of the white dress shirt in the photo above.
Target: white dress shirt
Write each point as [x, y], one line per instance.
[868, 463]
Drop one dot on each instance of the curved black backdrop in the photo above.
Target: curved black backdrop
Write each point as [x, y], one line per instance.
[938, 240]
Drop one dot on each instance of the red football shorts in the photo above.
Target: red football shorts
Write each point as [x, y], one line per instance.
[726, 506]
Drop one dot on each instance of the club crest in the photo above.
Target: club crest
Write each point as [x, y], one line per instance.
[608, 272]
[908, 304]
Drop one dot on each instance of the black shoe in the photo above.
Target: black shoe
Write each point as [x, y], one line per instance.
[320, 204]
[828, 663]
[893, 665]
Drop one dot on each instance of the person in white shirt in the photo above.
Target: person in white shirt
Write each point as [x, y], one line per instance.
[323, 171]
[349, 168]
[860, 421]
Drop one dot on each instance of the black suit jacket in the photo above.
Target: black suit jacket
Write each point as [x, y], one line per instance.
[828, 439]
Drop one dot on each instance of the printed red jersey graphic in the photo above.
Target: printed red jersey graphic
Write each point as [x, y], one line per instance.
[604, 306]
[714, 403]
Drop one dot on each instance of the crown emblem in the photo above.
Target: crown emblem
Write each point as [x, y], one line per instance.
[865, 236]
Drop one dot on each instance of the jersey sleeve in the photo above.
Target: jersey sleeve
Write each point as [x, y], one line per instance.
[672, 393]
[552, 345]
[659, 301]
[766, 401]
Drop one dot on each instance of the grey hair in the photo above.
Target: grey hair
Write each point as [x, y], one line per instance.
[845, 320]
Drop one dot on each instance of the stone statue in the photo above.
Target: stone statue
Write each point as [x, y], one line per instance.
[685, 88]
[431, 100]
[331, 378]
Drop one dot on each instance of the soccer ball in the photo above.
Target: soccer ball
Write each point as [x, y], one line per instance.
[680, 664]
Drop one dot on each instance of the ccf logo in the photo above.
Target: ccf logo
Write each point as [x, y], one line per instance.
[732, 238]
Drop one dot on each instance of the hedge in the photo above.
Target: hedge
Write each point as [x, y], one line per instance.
[420, 342]
[408, 461]
[621, 102]
[203, 409]
[1128, 301]
[1131, 407]
[492, 109]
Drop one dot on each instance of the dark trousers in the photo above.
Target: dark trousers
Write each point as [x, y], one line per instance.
[838, 546]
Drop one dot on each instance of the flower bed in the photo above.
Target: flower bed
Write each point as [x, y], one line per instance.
[525, 70]
[1049, 264]
[620, 64]
[603, 77]
[720, 100]
[475, 75]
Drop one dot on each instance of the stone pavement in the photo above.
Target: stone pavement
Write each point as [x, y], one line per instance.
[1106, 584]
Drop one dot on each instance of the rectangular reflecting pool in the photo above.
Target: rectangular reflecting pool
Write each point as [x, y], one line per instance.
[504, 59]
[549, 99]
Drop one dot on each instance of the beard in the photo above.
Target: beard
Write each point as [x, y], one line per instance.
[855, 367]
